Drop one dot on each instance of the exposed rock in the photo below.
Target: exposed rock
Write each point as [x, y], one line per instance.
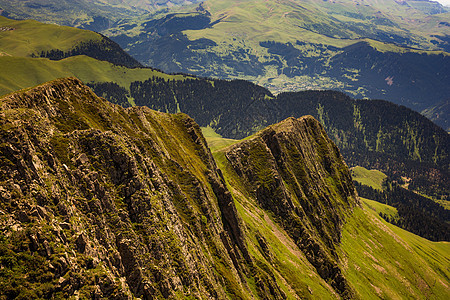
[107, 202]
[121, 192]
[293, 170]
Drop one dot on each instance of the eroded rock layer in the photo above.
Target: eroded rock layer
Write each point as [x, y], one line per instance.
[101, 201]
[293, 170]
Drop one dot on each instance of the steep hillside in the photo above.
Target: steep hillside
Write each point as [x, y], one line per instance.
[380, 135]
[294, 172]
[277, 194]
[116, 202]
[371, 133]
[384, 261]
[101, 201]
[34, 39]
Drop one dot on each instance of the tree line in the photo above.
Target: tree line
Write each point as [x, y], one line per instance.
[103, 49]
[416, 213]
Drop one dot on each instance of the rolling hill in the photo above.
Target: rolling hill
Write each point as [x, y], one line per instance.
[32, 53]
[34, 39]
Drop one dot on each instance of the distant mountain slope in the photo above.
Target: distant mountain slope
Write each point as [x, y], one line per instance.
[380, 135]
[438, 114]
[32, 53]
[98, 201]
[20, 72]
[372, 49]
[34, 39]
[416, 213]
[94, 15]
[392, 50]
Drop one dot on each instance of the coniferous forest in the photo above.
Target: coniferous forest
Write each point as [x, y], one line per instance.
[104, 49]
[416, 213]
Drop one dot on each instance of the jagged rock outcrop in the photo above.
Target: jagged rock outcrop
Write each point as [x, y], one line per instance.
[293, 170]
[100, 201]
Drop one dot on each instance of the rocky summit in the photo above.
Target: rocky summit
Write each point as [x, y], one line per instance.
[100, 201]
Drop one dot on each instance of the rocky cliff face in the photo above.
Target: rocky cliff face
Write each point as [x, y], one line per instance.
[101, 201]
[294, 171]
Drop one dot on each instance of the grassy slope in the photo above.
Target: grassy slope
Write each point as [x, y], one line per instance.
[379, 259]
[244, 24]
[384, 261]
[17, 73]
[444, 203]
[372, 178]
[247, 23]
[81, 13]
[294, 274]
[18, 70]
[215, 140]
[260, 20]
[32, 37]
[378, 208]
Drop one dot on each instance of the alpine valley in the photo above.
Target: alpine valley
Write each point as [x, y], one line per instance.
[377, 49]
[121, 181]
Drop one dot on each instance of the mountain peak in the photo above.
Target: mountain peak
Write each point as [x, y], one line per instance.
[293, 170]
[291, 124]
[48, 94]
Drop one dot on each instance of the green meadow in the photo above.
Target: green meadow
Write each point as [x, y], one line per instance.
[30, 37]
[372, 178]
[18, 72]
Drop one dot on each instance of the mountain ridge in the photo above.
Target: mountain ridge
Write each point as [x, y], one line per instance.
[249, 109]
[370, 133]
[94, 15]
[107, 179]
[287, 150]
[102, 201]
